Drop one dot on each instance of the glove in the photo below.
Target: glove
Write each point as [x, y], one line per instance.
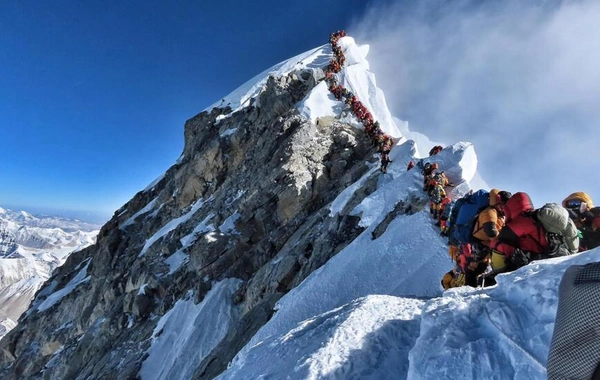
[520, 258]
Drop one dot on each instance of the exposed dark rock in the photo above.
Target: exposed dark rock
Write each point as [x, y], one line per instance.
[415, 203]
[238, 336]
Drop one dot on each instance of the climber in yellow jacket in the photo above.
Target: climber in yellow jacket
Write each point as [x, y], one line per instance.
[491, 219]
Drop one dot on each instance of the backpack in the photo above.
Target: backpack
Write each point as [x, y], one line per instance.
[465, 214]
[439, 178]
[557, 246]
[438, 193]
[553, 217]
[452, 220]
[560, 229]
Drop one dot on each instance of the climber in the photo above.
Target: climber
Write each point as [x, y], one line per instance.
[487, 225]
[453, 279]
[411, 165]
[586, 217]
[376, 127]
[386, 147]
[461, 221]
[385, 161]
[428, 170]
[437, 178]
[577, 204]
[530, 234]
[334, 37]
[474, 260]
[438, 193]
[369, 129]
[470, 263]
[447, 204]
[336, 90]
[435, 150]
[478, 219]
[591, 230]
[368, 121]
[346, 93]
[351, 99]
[334, 66]
[442, 179]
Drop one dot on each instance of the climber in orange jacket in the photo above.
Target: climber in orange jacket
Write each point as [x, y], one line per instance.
[490, 220]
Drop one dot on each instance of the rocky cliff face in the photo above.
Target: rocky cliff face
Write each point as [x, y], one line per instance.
[8, 245]
[247, 200]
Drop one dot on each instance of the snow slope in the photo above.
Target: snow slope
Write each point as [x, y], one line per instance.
[368, 338]
[188, 333]
[241, 96]
[502, 332]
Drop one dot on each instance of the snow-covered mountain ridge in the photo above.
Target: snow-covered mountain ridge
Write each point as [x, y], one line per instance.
[31, 247]
[275, 248]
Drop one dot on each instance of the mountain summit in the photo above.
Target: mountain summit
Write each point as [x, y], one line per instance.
[275, 247]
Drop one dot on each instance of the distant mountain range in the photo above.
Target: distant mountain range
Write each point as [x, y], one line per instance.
[31, 247]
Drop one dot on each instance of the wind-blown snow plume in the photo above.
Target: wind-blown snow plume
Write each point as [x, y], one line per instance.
[512, 77]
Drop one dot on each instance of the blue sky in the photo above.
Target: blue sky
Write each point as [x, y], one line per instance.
[94, 94]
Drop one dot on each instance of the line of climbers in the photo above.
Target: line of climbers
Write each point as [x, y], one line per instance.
[382, 141]
[495, 232]
[435, 184]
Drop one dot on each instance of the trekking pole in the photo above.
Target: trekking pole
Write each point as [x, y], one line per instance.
[484, 275]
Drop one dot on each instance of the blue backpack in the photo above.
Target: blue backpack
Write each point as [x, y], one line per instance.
[465, 213]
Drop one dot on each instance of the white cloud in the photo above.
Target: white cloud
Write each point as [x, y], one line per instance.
[519, 79]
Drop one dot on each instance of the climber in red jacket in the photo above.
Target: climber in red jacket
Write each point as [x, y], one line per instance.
[520, 237]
